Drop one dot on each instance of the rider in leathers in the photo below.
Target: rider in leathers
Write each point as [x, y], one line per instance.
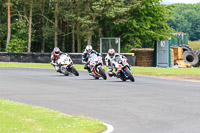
[54, 57]
[110, 59]
[85, 55]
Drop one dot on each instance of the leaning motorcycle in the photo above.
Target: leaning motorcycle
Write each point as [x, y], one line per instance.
[122, 69]
[66, 65]
[96, 66]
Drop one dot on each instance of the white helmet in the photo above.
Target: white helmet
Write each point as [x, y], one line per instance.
[56, 51]
[88, 48]
[111, 52]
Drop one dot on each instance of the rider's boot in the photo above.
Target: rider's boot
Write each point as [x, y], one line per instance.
[90, 72]
[110, 73]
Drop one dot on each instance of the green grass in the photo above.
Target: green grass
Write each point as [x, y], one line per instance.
[21, 118]
[28, 65]
[34, 65]
[165, 71]
[136, 70]
[195, 45]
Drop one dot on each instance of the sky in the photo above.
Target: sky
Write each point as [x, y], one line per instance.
[183, 1]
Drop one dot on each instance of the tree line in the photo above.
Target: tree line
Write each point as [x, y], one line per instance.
[187, 20]
[41, 25]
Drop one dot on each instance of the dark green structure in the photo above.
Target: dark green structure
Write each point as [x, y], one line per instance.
[179, 38]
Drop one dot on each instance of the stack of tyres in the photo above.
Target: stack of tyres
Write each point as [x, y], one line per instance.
[192, 57]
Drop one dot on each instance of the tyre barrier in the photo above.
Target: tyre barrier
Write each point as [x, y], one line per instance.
[198, 54]
[186, 48]
[45, 57]
[191, 57]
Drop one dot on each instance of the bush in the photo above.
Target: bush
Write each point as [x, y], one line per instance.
[17, 46]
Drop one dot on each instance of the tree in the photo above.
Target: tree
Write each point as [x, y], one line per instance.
[78, 27]
[42, 8]
[72, 24]
[187, 20]
[147, 23]
[3, 24]
[9, 25]
[30, 26]
[56, 24]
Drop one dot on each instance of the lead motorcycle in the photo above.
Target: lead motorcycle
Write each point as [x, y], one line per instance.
[122, 69]
[66, 65]
[96, 66]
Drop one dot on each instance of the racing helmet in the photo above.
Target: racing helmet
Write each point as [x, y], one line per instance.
[89, 48]
[56, 51]
[111, 52]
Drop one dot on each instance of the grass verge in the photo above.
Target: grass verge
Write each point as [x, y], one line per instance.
[35, 65]
[194, 45]
[165, 71]
[21, 118]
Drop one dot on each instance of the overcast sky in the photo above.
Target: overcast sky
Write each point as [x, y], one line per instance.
[183, 1]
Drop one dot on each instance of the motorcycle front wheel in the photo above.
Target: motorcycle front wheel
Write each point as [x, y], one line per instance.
[130, 75]
[102, 73]
[74, 71]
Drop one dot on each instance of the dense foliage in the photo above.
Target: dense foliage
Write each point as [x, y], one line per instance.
[72, 24]
[187, 20]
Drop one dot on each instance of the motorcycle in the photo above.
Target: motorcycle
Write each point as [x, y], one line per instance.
[66, 65]
[122, 69]
[96, 66]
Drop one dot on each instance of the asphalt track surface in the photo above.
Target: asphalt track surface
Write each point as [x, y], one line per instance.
[149, 105]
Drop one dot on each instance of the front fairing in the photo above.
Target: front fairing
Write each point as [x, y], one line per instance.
[64, 60]
[94, 60]
[95, 63]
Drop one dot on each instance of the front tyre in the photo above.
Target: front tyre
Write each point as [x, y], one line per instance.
[130, 75]
[102, 73]
[74, 71]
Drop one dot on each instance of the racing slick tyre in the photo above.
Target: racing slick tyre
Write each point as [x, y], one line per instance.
[102, 73]
[130, 75]
[74, 71]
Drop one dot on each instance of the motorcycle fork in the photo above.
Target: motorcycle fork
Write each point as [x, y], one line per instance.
[69, 67]
[124, 72]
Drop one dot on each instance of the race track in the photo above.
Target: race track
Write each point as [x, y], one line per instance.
[149, 105]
